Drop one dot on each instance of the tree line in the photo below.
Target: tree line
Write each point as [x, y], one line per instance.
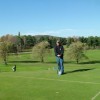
[19, 43]
[93, 42]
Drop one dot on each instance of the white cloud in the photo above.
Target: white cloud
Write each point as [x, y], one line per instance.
[66, 32]
[61, 32]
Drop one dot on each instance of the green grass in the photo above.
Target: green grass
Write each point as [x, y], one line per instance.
[39, 81]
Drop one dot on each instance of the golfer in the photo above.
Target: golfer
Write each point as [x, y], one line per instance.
[59, 52]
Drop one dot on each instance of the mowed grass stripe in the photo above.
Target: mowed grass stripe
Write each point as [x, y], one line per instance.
[94, 98]
[61, 80]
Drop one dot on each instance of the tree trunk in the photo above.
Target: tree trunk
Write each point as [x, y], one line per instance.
[42, 60]
[5, 61]
[77, 61]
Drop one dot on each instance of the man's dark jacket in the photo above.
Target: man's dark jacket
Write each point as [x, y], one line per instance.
[59, 50]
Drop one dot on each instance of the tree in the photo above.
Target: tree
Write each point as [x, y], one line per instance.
[63, 41]
[96, 42]
[83, 39]
[4, 51]
[90, 41]
[11, 40]
[40, 50]
[19, 43]
[69, 41]
[29, 41]
[7, 46]
[76, 51]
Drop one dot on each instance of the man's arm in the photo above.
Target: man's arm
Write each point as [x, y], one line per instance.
[62, 50]
[55, 50]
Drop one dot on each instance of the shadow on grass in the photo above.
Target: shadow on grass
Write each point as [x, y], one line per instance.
[91, 62]
[74, 62]
[54, 62]
[65, 62]
[78, 70]
[24, 61]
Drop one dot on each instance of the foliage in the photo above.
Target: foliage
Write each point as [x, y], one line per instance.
[4, 48]
[21, 42]
[11, 40]
[76, 51]
[40, 50]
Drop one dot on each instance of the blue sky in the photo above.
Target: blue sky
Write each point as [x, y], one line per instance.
[50, 17]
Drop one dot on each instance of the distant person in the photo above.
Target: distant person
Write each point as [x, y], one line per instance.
[59, 52]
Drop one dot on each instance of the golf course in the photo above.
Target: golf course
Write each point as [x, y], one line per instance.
[34, 80]
[49, 49]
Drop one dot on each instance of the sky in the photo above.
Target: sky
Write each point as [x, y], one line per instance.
[63, 18]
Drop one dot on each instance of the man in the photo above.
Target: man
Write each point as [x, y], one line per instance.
[59, 52]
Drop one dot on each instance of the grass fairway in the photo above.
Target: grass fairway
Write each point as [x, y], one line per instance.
[39, 81]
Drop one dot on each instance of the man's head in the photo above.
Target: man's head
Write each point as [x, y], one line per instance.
[58, 42]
